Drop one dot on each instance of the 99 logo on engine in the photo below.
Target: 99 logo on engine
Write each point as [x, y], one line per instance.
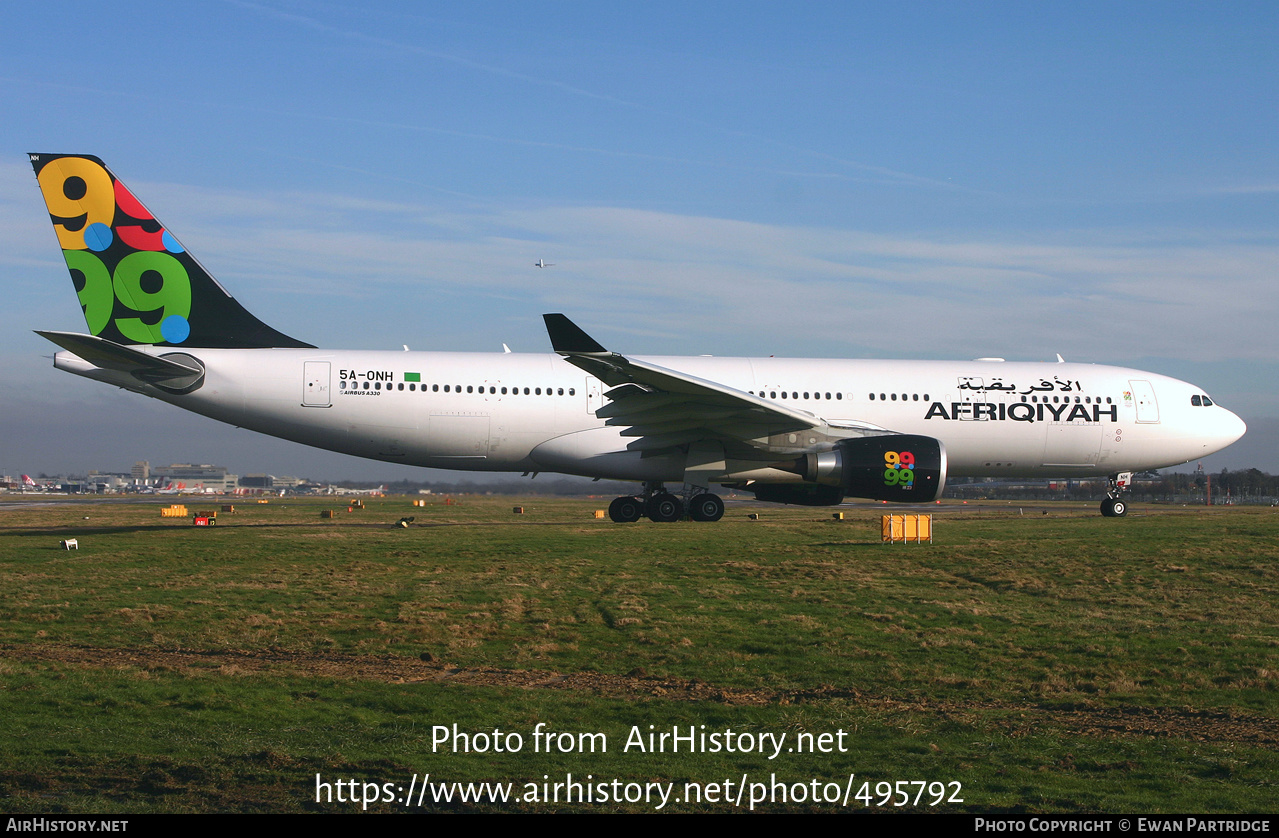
[899, 469]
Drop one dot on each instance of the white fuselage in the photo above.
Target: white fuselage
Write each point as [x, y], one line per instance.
[524, 412]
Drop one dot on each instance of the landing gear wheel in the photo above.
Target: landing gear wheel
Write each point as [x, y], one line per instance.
[664, 507]
[625, 510]
[1114, 508]
[706, 507]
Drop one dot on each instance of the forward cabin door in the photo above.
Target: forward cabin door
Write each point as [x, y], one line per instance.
[1144, 395]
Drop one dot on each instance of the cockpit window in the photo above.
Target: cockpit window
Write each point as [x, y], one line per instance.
[1194, 400]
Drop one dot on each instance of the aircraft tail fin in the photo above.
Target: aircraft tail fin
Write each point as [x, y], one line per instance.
[136, 282]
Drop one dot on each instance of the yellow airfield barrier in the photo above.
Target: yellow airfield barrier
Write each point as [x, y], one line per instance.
[904, 528]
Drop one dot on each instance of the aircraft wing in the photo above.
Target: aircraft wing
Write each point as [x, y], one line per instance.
[663, 408]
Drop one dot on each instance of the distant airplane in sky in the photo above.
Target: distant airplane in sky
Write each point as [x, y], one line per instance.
[540, 264]
[802, 431]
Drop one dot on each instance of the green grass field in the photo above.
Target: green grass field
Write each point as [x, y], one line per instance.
[1057, 662]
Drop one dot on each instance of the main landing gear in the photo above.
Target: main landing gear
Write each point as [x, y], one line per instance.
[1114, 506]
[659, 505]
[626, 510]
[706, 507]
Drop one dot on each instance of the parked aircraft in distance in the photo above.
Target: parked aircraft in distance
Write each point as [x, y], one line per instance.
[803, 431]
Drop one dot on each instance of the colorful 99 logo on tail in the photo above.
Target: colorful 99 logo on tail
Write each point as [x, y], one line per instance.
[128, 270]
[136, 283]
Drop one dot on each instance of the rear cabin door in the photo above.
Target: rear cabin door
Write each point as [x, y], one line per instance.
[315, 384]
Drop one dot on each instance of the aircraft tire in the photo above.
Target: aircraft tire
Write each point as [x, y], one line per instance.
[626, 510]
[1114, 508]
[665, 508]
[706, 507]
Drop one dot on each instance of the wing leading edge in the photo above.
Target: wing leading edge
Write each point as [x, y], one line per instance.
[664, 408]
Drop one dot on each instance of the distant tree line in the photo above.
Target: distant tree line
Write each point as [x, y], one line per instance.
[1249, 486]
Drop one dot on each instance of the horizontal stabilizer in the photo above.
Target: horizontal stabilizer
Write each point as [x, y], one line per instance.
[106, 355]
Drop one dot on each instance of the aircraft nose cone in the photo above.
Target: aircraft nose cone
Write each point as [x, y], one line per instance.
[1230, 427]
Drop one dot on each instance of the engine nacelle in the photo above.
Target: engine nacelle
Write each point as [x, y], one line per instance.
[903, 468]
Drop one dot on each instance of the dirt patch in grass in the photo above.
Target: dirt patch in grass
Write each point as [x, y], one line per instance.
[1187, 724]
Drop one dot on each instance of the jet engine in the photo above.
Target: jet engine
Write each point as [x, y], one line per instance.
[903, 468]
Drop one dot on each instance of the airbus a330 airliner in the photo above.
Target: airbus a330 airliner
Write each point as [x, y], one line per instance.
[801, 431]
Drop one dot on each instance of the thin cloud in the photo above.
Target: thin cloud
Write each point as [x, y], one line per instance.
[879, 173]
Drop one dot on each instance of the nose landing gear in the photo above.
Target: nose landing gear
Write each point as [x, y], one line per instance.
[1114, 506]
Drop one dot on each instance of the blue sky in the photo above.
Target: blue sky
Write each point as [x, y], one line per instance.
[821, 179]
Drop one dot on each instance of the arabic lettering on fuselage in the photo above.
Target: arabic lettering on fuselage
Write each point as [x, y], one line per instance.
[997, 384]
